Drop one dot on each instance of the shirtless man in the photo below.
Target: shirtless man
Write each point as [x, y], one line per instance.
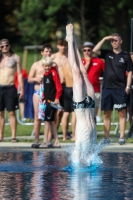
[60, 58]
[68, 103]
[9, 64]
[35, 76]
[83, 95]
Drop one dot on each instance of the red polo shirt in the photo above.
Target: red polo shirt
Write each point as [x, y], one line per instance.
[95, 70]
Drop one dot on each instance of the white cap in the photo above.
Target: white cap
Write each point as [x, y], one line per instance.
[88, 44]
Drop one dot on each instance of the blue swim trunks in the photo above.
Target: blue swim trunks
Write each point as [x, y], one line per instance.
[37, 92]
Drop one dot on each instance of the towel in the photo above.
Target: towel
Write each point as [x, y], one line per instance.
[42, 102]
[28, 94]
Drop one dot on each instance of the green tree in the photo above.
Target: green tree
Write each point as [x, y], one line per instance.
[116, 17]
[8, 21]
[87, 14]
[38, 20]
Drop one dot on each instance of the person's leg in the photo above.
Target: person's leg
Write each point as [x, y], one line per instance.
[59, 113]
[13, 123]
[55, 133]
[37, 122]
[2, 122]
[46, 132]
[120, 104]
[49, 136]
[11, 104]
[97, 107]
[107, 106]
[130, 117]
[78, 91]
[88, 86]
[98, 116]
[73, 122]
[45, 138]
[58, 116]
[21, 108]
[99, 112]
[107, 122]
[65, 124]
[122, 121]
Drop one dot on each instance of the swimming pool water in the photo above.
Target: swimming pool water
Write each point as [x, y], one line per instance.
[47, 176]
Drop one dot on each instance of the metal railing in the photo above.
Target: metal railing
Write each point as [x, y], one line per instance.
[113, 123]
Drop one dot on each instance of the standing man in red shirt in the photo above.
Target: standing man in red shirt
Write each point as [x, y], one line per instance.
[95, 68]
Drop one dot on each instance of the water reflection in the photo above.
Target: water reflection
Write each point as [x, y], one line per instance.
[44, 176]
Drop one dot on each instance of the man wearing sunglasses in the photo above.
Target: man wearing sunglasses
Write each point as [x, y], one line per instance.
[9, 65]
[95, 68]
[116, 85]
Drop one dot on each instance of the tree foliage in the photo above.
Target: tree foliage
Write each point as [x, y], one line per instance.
[116, 19]
[42, 21]
[39, 19]
[8, 21]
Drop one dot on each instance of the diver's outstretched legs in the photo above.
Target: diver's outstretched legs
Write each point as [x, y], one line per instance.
[71, 37]
[78, 83]
[81, 88]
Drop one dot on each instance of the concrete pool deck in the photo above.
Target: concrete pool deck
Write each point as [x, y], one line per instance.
[26, 146]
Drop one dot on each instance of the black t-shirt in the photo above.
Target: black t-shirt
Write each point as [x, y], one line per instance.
[116, 66]
[49, 88]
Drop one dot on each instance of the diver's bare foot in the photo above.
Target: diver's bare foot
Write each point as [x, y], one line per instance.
[69, 33]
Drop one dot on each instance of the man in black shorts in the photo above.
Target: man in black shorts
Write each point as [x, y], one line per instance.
[68, 103]
[9, 64]
[60, 58]
[116, 85]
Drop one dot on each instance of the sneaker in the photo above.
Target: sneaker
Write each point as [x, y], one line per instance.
[106, 141]
[121, 141]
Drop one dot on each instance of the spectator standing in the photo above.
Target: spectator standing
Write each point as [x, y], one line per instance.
[35, 76]
[52, 92]
[68, 103]
[9, 64]
[130, 109]
[60, 58]
[116, 86]
[95, 68]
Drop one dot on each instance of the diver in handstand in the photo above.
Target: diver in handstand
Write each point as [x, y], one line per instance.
[83, 98]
